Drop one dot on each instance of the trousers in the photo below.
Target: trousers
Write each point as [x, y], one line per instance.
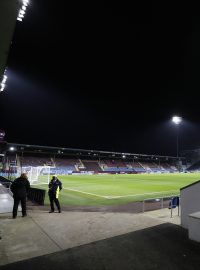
[53, 199]
[16, 204]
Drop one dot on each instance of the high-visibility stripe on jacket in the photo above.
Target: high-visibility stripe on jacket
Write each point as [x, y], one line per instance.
[57, 192]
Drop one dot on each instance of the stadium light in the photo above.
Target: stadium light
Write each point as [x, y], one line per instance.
[3, 82]
[177, 120]
[12, 148]
[22, 10]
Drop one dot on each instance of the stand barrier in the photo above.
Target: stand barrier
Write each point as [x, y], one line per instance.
[36, 195]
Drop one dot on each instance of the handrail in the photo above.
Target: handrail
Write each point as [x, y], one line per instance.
[158, 199]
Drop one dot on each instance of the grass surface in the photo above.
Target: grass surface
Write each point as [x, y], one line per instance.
[119, 188]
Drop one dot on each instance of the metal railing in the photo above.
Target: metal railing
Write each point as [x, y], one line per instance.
[158, 203]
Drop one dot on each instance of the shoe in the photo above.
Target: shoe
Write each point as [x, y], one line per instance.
[51, 211]
[14, 217]
[24, 215]
[59, 211]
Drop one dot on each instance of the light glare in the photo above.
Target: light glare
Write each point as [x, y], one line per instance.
[176, 119]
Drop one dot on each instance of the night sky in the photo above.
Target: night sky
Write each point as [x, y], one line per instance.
[104, 76]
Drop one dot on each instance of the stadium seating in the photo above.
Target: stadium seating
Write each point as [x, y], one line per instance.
[35, 161]
[92, 165]
[66, 165]
[194, 167]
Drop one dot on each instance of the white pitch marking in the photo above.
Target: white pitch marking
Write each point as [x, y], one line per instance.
[134, 195]
[123, 196]
[86, 193]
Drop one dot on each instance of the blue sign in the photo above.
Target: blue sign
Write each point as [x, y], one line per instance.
[174, 202]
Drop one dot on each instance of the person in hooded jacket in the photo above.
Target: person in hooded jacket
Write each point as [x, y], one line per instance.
[55, 187]
[19, 188]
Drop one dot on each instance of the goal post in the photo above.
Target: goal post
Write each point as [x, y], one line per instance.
[37, 175]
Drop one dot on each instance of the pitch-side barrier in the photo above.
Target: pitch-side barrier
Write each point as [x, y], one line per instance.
[169, 202]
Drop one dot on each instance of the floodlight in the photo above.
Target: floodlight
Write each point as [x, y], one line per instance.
[12, 148]
[22, 10]
[3, 82]
[176, 119]
[4, 79]
[2, 87]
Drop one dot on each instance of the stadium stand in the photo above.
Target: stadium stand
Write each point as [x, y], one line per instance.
[137, 166]
[194, 167]
[67, 165]
[92, 165]
[69, 161]
[64, 166]
[36, 161]
[168, 168]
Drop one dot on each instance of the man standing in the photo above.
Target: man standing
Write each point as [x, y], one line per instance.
[55, 187]
[19, 188]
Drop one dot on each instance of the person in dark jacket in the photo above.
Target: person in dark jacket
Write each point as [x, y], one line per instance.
[19, 188]
[55, 187]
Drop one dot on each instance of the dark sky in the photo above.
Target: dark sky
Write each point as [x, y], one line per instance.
[105, 76]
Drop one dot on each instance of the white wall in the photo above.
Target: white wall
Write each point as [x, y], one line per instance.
[194, 224]
[190, 202]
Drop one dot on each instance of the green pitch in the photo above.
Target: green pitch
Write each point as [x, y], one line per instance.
[120, 188]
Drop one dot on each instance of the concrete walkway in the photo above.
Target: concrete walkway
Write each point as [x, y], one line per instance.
[94, 240]
[28, 242]
[42, 233]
